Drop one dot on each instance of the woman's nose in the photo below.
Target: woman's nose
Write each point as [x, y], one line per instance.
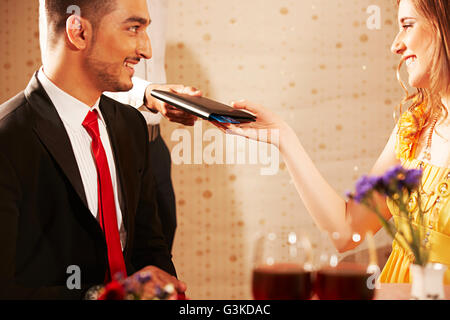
[398, 46]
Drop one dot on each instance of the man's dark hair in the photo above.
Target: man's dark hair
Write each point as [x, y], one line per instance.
[92, 10]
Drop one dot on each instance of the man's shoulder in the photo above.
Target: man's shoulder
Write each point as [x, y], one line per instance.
[14, 116]
[11, 106]
[14, 123]
[126, 112]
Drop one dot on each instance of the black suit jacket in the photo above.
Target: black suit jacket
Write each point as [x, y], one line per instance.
[162, 166]
[45, 223]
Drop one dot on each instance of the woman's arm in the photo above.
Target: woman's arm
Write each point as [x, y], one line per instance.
[327, 208]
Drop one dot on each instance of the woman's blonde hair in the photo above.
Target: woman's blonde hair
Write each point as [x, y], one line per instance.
[436, 13]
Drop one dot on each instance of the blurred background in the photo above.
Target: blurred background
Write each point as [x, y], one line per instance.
[314, 62]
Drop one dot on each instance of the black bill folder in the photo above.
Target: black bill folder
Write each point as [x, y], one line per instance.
[204, 108]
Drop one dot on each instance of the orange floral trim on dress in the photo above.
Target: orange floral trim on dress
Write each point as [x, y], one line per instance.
[409, 127]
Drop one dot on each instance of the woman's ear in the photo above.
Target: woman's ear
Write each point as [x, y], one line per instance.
[77, 30]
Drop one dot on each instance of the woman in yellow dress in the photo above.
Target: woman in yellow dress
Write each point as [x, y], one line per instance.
[420, 140]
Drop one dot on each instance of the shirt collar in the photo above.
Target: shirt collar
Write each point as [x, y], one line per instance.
[71, 110]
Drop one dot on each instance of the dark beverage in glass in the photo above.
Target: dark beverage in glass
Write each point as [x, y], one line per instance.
[346, 281]
[282, 282]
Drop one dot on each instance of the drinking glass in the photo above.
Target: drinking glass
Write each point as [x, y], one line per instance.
[345, 278]
[282, 266]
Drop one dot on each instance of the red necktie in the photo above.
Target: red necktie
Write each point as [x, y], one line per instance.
[106, 204]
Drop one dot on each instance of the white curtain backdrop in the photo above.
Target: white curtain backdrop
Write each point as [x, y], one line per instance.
[153, 70]
[42, 28]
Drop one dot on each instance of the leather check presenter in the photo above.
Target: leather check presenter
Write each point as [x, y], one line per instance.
[46, 225]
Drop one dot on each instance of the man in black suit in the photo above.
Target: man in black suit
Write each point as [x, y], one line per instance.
[52, 178]
[152, 109]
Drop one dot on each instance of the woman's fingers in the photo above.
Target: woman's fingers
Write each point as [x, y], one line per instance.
[245, 105]
[219, 125]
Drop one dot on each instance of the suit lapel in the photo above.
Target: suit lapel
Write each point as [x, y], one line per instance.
[50, 130]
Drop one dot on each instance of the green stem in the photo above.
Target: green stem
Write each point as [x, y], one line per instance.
[395, 233]
[422, 228]
[415, 245]
[392, 230]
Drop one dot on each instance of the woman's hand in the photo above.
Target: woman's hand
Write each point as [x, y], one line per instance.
[266, 128]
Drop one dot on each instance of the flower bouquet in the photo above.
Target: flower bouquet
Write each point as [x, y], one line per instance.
[401, 187]
[137, 287]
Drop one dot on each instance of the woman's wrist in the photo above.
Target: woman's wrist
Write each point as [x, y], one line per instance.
[285, 133]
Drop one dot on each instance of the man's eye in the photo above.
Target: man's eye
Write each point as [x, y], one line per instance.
[134, 29]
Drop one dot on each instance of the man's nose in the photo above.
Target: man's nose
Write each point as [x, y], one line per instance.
[144, 49]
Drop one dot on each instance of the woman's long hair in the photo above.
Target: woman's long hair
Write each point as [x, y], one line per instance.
[437, 13]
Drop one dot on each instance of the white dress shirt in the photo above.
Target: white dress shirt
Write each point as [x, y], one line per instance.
[72, 113]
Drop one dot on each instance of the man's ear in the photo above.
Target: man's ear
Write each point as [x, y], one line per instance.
[78, 31]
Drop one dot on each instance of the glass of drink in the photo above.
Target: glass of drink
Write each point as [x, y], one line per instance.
[282, 268]
[345, 278]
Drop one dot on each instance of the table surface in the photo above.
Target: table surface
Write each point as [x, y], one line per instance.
[399, 291]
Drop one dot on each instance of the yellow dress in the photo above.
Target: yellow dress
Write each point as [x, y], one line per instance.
[435, 201]
[434, 194]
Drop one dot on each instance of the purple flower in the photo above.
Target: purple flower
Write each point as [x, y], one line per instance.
[144, 277]
[398, 178]
[392, 182]
[389, 183]
[396, 184]
[412, 179]
[391, 176]
[364, 187]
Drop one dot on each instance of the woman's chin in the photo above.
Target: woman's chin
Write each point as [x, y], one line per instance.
[416, 83]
